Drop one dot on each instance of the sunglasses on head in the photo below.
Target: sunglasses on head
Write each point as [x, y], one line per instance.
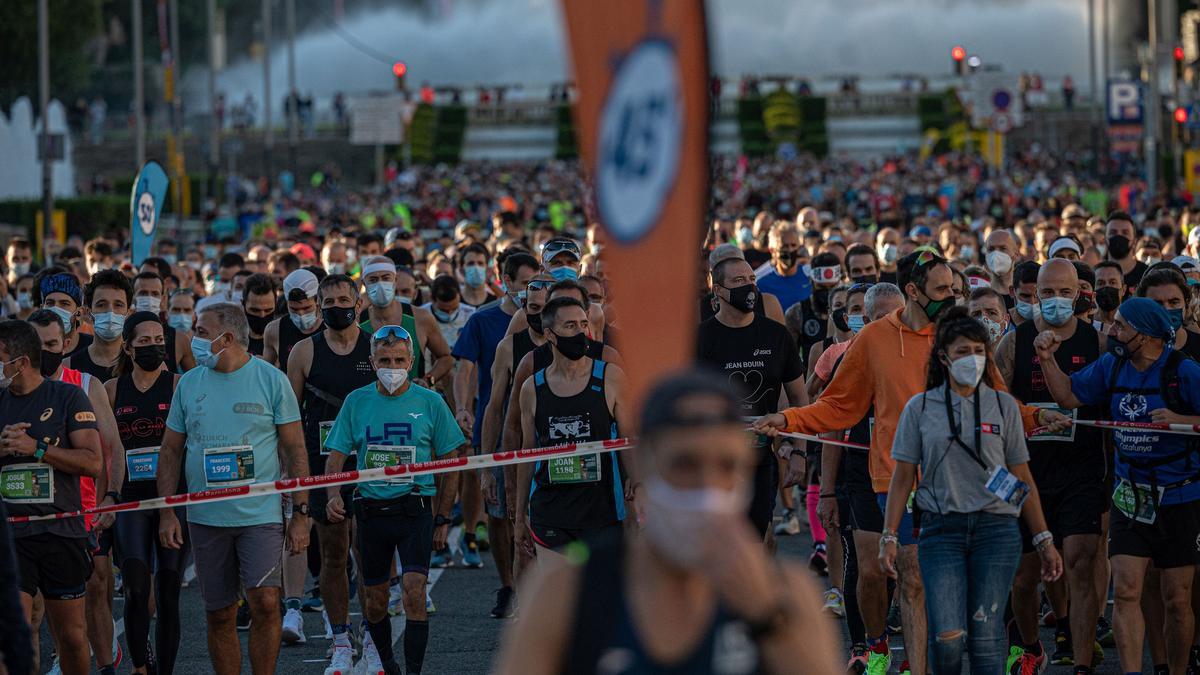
[391, 332]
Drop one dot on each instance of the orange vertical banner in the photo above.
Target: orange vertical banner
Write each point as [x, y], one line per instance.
[641, 69]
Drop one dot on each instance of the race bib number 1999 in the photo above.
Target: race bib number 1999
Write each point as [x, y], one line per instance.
[228, 466]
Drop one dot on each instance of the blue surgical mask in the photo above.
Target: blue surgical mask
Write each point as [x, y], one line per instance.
[25, 300]
[475, 276]
[745, 236]
[563, 273]
[1025, 310]
[181, 322]
[202, 350]
[171, 258]
[1057, 311]
[405, 300]
[64, 316]
[381, 293]
[443, 317]
[108, 325]
[856, 322]
[1176, 316]
[304, 322]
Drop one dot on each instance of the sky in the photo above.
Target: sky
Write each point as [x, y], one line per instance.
[509, 41]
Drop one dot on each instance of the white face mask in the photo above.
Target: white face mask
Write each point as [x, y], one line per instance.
[968, 370]
[304, 322]
[999, 262]
[889, 253]
[147, 303]
[675, 518]
[392, 378]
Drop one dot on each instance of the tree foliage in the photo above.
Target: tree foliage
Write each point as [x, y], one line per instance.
[73, 23]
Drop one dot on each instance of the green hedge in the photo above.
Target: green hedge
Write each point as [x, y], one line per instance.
[86, 216]
[751, 129]
[566, 145]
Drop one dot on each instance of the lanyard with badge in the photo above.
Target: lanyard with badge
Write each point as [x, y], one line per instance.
[228, 466]
[380, 456]
[31, 483]
[141, 464]
[1001, 483]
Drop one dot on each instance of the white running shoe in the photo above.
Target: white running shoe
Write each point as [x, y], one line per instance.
[369, 664]
[396, 600]
[790, 525]
[293, 628]
[834, 603]
[342, 662]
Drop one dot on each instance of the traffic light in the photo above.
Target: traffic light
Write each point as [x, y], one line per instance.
[399, 70]
[1178, 54]
[1181, 115]
[958, 54]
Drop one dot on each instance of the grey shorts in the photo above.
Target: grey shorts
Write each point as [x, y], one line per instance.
[231, 558]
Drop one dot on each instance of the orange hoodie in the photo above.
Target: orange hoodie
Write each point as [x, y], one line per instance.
[885, 366]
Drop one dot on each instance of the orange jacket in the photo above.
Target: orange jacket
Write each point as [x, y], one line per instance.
[885, 366]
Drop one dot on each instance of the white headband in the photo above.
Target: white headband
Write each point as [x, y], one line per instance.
[379, 265]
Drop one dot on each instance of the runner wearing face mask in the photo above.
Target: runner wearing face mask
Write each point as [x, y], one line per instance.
[561, 259]
[1000, 254]
[394, 421]
[808, 319]
[108, 298]
[706, 597]
[887, 247]
[58, 291]
[758, 352]
[303, 319]
[785, 278]
[323, 369]
[473, 264]
[1168, 287]
[1120, 236]
[449, 309]
[1069, 470]
[148, 297]
[575, 399]
[1024, 293]
[987, 307]
[141, 396]
[259, 300]
[884, 367]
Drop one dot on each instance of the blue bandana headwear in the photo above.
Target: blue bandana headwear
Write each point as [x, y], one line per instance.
[62, 283]
[1148, 318]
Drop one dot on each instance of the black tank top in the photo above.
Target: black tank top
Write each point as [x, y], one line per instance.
[543, 354]
[289, 335]
[855, 468]
[522, 345]
[1059, 463]
[141, 418]
[82, 361]
[169, 339]
[256, 347]
[582, 492]
[330, 380]
[604, 632]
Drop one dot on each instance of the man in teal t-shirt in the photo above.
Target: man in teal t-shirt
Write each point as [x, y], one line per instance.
[388, 423]
[232, 421]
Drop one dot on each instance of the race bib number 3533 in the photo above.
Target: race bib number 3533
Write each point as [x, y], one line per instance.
[27, 483]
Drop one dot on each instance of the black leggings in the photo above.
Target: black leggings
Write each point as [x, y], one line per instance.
[140, 554]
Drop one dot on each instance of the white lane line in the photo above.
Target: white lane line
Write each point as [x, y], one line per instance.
[398, 622]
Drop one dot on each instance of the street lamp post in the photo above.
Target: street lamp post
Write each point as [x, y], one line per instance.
[44, 138]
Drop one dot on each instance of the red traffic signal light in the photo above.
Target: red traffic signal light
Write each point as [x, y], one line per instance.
[1179, 53]
[958, 53]
[1181, 115]
[399, 69]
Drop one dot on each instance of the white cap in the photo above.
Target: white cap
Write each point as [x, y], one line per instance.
[210, 300]
[724, 252]
[1187, 263]
[1064, 243]
[303, 280]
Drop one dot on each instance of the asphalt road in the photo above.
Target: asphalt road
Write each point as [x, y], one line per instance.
[463, 638]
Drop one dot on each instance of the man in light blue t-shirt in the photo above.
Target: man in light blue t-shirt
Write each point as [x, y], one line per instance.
[388, 423]
[231, 421]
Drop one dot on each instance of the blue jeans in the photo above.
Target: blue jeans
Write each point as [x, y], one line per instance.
[968, 561]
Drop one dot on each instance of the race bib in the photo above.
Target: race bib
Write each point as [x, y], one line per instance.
[323, 435]
[27, 483]
[228, 466]
[141, 464]
[1137, 501]
[379, 456]
[567, 470]
[1067, 434]
[1007, 487]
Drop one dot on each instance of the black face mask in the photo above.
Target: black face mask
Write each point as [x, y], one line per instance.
[839, 320]
[338, 318]
[573, 347]
[149, 357]
[1083, 303]
[50, 362]
[787, 258]
[743, 298]
[820, 301]
[1108, 298]
[535, 322]
[1118, 247]
[864, 279]
[258, 324]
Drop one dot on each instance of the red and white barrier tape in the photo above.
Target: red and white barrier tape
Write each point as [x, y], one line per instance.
[1183, 429]
[284, 486]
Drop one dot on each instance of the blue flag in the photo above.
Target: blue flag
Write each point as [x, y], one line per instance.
[145, 205]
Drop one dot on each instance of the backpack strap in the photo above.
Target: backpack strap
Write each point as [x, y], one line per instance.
[1169, 384]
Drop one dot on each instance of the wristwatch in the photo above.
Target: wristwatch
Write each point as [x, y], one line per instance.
[113, 495]
[42, 447]
[302, 509]
[440, 520]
